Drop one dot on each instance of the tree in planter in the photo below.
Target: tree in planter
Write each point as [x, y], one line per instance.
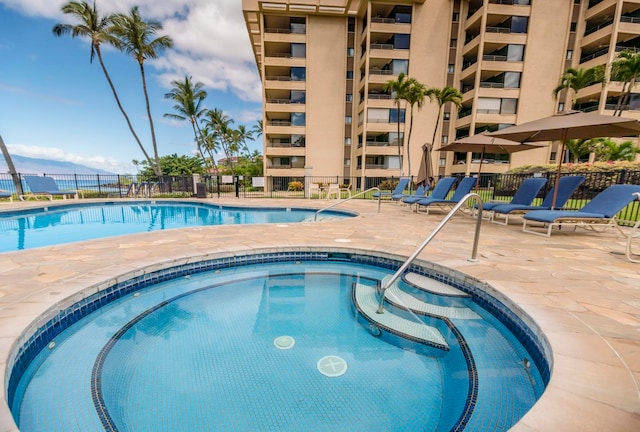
[609, 150]
[398, 89]
[575, 79]
[580, 149]
[625, 68]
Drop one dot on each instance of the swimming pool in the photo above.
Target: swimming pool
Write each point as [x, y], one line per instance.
[196, 345]
[57, 224]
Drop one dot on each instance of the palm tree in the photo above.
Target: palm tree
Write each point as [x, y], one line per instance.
[219, 123]
[442, 96]
[243, 135]
[12, 168]
[98, 29]
[398, 89]
[609, 150]
[625, 68]
[580, 148]
[576, 79]
[414, 96]
[208, 144]
[136, 38]
[188, 98]
[258, 129]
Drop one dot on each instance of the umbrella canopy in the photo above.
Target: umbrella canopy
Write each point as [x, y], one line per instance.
[485, 143]
[569, 125]
[426, 167]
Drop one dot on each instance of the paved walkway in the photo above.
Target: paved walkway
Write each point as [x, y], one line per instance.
[577, 286]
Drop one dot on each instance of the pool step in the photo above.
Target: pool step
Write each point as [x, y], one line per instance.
[399, 298]
[367, 303]
[427, 284]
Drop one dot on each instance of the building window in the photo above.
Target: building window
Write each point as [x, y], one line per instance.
[511, 80]
[451, 68]
[400, 66]
[393, 115]
[401, 41]
[348, 120]
[569, 54]
[349, 97]
[350, 52]
[519, 24]
[349, 74]
[453, 43]
[446, 115]
[298, 119]
[298, 96]
[443, 162]
[298, 50]
[347, 162]
[347, 141]
[573, 26]
[515, 52]
[455, 17]
[561, 107]
[445, 139]
[298, 74]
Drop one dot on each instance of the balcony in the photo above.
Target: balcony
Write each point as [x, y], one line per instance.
[497, 29]
[595, 28]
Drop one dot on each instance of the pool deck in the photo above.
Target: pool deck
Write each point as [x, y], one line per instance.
[578, 287]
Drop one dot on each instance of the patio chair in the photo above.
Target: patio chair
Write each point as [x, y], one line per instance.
[566, 186]
[525, 195]
[464, 187]
[314, 189]
[420, 193]
[440, 191]
[6, 194]
[45, 186]
[600, 212]
[402, 185]
[333, 190]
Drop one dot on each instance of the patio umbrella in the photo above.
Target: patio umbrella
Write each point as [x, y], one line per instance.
[569, 125]
[426, 167]
[484, 143]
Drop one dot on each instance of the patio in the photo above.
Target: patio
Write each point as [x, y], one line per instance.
[578, 287]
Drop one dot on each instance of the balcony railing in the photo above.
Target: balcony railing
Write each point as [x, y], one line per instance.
[279, 123]
[493, 57]
[382, 46]
[464, 113]
[380, 72]
[383, 20]
[286, 31]
[376, 166]
[511, 2]
[377, 143]
[284, 145]
[379, 96]
[487, 111]
[284, 101]
[488, 84]
[498, 30]
[595, 28]
[605, 50]
[278, 78]
[628, 19]
[469, 63]
[279, 55]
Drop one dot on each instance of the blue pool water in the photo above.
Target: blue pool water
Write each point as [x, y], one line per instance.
[70, 223]
[198, 353]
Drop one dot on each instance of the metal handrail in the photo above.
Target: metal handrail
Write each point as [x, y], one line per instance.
[349, 198]
[407, 263]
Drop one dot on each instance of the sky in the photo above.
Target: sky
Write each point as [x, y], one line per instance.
[56, 104]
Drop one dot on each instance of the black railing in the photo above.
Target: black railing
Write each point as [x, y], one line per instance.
[492, 186]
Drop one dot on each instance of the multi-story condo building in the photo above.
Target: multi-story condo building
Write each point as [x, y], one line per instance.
[324, 65]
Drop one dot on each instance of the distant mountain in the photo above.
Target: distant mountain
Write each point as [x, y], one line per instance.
[27, 165]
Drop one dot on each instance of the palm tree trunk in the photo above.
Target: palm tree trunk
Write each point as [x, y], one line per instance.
[435, 132]
[198, 137]
[398, 137]
[620, 99]
[156, 166]
[115, 95]
[408, 149]
[11, 167]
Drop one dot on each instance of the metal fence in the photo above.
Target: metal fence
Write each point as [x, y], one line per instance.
[491, 186]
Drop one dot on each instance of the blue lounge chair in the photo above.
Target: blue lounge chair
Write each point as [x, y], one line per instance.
[525, 195]
[45, 186]
[600, 211]
[420, 192]
[440, 191]
[402, 185]
[6, 194]
[463, 189]
[566, 186]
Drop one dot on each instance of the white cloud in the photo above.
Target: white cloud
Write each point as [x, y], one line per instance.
[210, 39]
[57, 154]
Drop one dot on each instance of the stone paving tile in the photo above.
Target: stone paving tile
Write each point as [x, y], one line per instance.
[577, 287]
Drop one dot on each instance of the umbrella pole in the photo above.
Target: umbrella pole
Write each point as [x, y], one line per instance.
[479, 169]
[561, 155]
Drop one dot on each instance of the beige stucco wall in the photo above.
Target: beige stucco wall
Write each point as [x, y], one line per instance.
[326, 88]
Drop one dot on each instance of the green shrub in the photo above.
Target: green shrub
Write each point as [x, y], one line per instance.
[295, 186]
